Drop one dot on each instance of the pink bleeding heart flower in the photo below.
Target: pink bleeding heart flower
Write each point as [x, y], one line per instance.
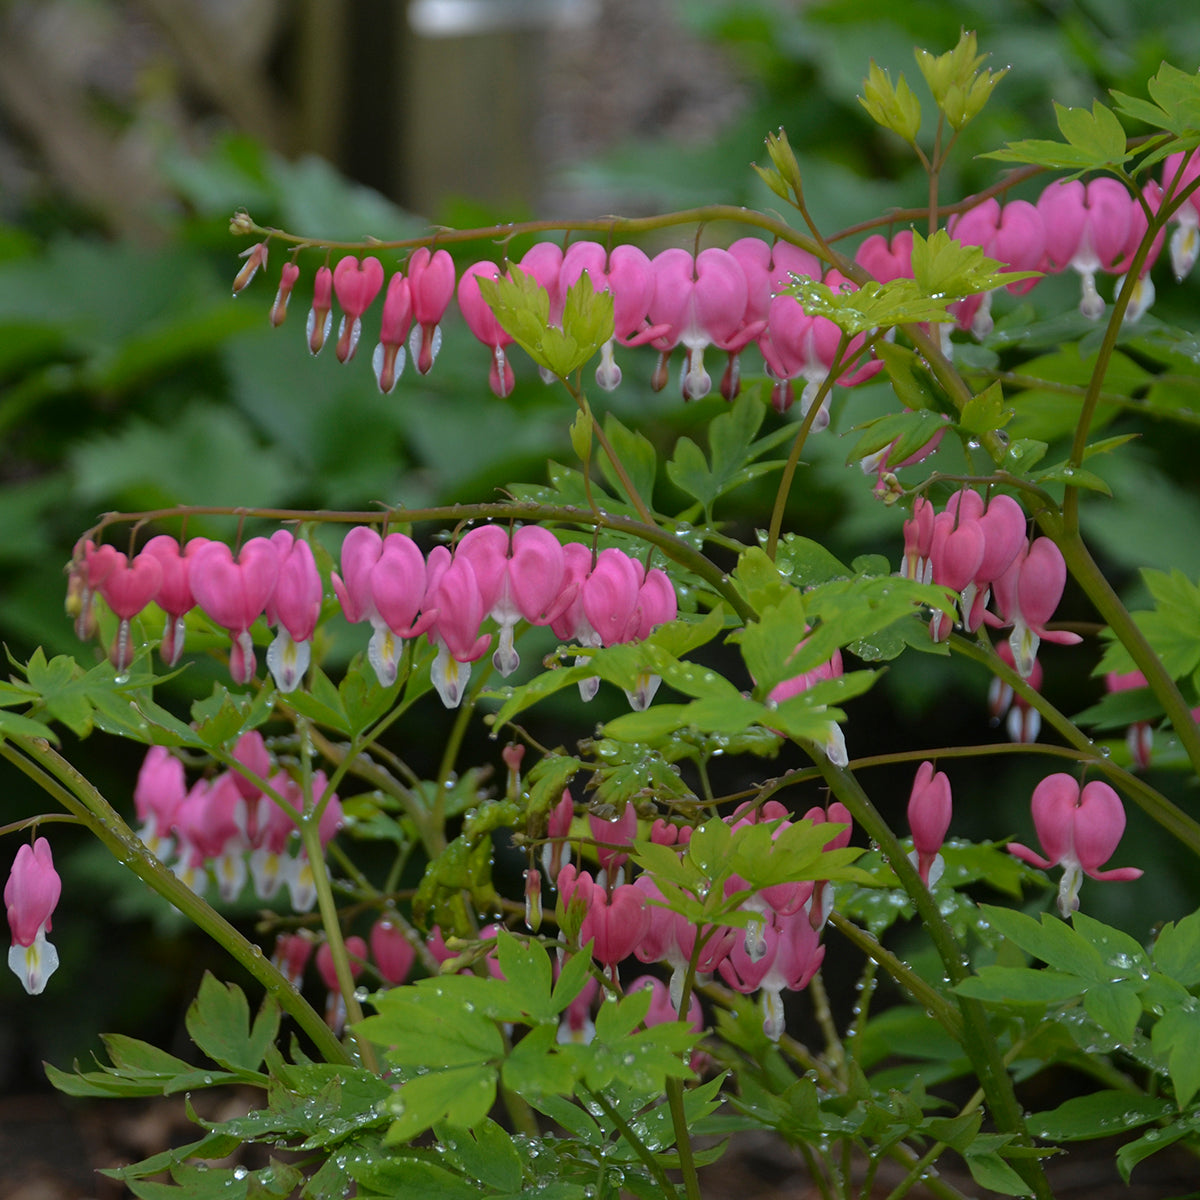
[1022, 722]
[320, 316]
[174, 595]
[793, 955]
[452, 590]
[431, 283]
[127, 588]
[393, 953]
[1143, 289]
[160, 790]
[887, 260]
[335, 1005]
[1079, 830]
[30, 897]
[483, 324]
[626, 274]
[294, 607]
[389, 356]
[384, 583]
[957, 550]
[235, 592]
[1179, 170]
[283, 295]
[929, 810]
[614, 924]
[356, 284]
[613, 838]
[700, 300]
[518, 578]
[1087, 228]
[610, 595]
[292, 952]
[1139, 737]
[1027, 595]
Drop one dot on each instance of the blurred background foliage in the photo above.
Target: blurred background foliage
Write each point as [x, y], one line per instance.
[130, 131]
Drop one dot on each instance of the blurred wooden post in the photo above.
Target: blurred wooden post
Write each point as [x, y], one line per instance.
[473, 97]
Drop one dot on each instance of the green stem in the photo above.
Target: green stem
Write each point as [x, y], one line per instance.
[638, 1146]
[613, 457]
[310, 837]
[64, 783]
[793, 461]
[924, 995]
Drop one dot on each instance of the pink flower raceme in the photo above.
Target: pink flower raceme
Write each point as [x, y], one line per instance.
[929, 810]
[235, 593]
[30, 897]
[356, 284]
[1079, 830]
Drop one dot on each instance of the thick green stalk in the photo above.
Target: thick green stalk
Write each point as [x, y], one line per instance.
[64, 783]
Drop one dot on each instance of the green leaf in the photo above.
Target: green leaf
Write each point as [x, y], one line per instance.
[1021, 985]
[1051, 940]
[1152, 1141]
[484, 1153]
[538, 1067]
[944, 268]
[990, 1171]
[638, 456]
[1177, 950]
[1098, 1115]
[985, 412]
[526, 970]
[218, 1021]
[870, 307]
[1115, 1007]
[458, 1095]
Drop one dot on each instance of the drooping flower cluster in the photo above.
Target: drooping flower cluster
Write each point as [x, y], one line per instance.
[724, 298]
[587, 599]
[236, 825]
[781, 950]
[979, 550]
